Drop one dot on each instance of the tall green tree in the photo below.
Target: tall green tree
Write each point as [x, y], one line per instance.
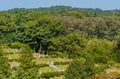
[82, 68]
[72, 44]
[101, 50]
[37, 32]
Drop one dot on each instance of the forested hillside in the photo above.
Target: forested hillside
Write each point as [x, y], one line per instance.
[63, 31]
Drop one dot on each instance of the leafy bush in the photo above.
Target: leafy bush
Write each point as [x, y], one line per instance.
[31, 73]
[41, 65]
[62, 63]
[51, 74]
[111, 63]
[117, 65]
[101, 68]
[53, 56]
[26, 57]
[80, 69]
[101, 50]
[5, 70]
[17, 45]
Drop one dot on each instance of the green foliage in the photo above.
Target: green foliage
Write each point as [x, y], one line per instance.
[51, 74]
[62, 63]
[72, 44]
[26, 57]
[38, 31]
[80, 69]
[111, 63]
[5, 71]
[101, 50]
[100, 68]
[117, 65]
[55, 54]
[26, 70]
[17, 45]
[31, 73]
[41, 65]
[117, 50]
[36, 27]
[60, 31]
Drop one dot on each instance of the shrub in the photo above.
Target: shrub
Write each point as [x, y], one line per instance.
[41, 65]
[80, 69]
[101, 50]
[62, 63]
[17, 45]
[111, 63]
[61, 54]
[31, 73]
[26, 57]
[51, 74]
[117, 65]
[101, 68]
[5, 70]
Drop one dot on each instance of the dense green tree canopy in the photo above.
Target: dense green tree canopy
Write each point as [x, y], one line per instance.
[80, 69]
[72, 44]
[101, 50]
